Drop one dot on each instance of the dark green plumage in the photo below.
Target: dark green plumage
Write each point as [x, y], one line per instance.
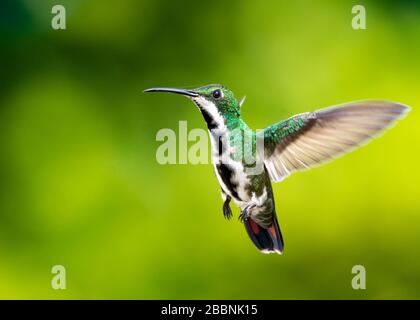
[275, 133]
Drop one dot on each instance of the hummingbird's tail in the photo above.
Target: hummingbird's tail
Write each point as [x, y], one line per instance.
[267, 240]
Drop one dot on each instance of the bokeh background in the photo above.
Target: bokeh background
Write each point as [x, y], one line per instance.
[80, 185]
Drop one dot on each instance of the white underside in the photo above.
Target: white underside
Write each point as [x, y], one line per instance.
[239, 178]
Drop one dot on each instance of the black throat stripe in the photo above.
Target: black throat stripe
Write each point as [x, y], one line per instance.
[211, 124]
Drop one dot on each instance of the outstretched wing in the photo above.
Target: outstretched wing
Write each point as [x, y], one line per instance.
[311, 138]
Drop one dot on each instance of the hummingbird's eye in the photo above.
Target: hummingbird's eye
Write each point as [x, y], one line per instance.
[217, 94]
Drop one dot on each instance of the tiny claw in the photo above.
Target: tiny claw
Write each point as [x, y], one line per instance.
[243, 216]
[227, 212]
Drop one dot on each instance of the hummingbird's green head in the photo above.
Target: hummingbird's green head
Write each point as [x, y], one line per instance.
[216, 103]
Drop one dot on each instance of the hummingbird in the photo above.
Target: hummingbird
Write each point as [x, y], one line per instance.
[297, 143]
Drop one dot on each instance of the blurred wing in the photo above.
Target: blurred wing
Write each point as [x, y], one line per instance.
[311, 138]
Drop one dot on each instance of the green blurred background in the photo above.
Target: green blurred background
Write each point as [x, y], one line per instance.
[80, 185]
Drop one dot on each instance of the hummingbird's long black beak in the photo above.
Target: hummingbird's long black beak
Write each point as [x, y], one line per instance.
[184, 92]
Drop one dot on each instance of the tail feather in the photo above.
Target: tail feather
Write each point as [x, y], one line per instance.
[267, 240]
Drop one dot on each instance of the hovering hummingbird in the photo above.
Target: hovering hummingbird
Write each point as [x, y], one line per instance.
[300, 142]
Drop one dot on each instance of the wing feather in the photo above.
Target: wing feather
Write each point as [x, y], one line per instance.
[311, 138]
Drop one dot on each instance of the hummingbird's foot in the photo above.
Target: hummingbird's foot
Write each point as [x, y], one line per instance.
[244, 216]
[227, 212]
